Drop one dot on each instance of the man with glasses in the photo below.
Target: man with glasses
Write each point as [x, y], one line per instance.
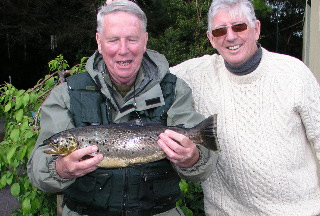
[124, 82]
[268, 108]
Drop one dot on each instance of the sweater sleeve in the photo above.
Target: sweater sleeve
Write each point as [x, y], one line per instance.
[54, 119]
[309, 108]
[182, 112]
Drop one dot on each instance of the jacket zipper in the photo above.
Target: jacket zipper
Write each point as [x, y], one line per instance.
[125, 189]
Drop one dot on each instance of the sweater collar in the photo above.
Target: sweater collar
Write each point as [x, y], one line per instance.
[247, 67]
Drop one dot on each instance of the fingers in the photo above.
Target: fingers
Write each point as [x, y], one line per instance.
[179, 148]
[173, 143]
[73, 165]
[80, 153]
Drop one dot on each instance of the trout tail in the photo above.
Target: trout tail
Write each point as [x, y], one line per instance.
[208, 132]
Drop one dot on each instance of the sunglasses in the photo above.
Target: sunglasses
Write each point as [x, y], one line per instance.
[238, 27]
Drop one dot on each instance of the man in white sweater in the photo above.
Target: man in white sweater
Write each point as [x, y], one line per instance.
[268, 108]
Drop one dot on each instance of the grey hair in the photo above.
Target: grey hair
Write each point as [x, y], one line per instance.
[125, 6]
[235, 7]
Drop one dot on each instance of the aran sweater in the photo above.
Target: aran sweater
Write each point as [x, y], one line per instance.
[268, 131]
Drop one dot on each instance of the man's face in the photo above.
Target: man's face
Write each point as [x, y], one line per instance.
[122, 45]
[235, 47]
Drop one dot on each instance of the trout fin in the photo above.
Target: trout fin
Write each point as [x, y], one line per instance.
[208, 132]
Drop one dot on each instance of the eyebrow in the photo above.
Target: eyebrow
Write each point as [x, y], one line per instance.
[222, 25]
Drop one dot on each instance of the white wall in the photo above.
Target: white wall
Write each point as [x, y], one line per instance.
[311, 38]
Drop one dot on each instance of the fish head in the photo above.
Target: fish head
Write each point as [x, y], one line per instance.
[61, 144]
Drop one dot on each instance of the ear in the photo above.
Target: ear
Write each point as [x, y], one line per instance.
[146, 41]
[98, 42]
[210, 37]
[257, 29]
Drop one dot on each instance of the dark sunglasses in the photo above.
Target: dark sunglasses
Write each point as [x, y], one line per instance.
[238, 27]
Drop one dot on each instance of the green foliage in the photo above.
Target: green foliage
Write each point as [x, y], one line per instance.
[21, 111]
[261, 9]
[177, 28]
[58, 64]
[191, 202]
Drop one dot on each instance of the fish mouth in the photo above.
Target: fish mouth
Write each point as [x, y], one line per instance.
[53, 147]
[61, 146]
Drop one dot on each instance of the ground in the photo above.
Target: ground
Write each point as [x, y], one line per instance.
[7, 201]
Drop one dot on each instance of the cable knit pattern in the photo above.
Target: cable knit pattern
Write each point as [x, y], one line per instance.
[268, 122]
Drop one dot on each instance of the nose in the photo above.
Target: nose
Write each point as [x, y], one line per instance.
[231, 35]
[123, 47]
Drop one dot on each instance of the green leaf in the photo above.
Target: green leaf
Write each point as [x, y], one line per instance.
[28, 134]
[26, 99]
[15, 189]
[3, 181]
[49, 83]
[19, 115]
[179, 202]
[15, 163]
[9, 178]
[33, 98]
[10, 153]
[23, 152]
[7, 107]
[186, 211]
[26, 206]
[14, 135]
[25, 124]
[26, 185]
[83, 59]
[36, 203]
[18, 102]
[20, 92]
[184, 186]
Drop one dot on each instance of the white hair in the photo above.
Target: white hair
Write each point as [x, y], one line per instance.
[235, 7]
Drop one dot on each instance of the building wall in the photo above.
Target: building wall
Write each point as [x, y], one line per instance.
[311, 38]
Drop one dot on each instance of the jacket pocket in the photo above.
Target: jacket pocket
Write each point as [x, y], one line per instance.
[90, 110]
[164, 185]
[93, 189]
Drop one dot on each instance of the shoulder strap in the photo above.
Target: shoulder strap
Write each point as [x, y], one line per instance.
[82, 81]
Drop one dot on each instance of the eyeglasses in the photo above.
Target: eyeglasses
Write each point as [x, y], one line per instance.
[238, 27]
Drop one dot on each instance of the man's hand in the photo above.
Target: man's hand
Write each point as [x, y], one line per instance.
[180, 149]
[72, 166]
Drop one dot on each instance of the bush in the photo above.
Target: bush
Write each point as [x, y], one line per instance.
[21, 109]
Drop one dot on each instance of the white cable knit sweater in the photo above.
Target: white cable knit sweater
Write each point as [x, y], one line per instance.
[267, 122]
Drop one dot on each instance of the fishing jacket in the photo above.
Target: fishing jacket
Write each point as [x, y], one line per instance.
[56, 116]
[140, 187]
[153, 186]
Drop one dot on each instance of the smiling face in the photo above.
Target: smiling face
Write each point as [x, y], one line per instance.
[122, 44]
[235, 47]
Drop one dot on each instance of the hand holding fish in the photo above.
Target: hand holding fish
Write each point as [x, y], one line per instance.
[72, 165]
[179, 149]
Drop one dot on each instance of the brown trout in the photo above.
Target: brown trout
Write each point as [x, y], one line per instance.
[126, 144]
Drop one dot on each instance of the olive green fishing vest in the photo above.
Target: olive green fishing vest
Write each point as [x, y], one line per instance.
[141, 187]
